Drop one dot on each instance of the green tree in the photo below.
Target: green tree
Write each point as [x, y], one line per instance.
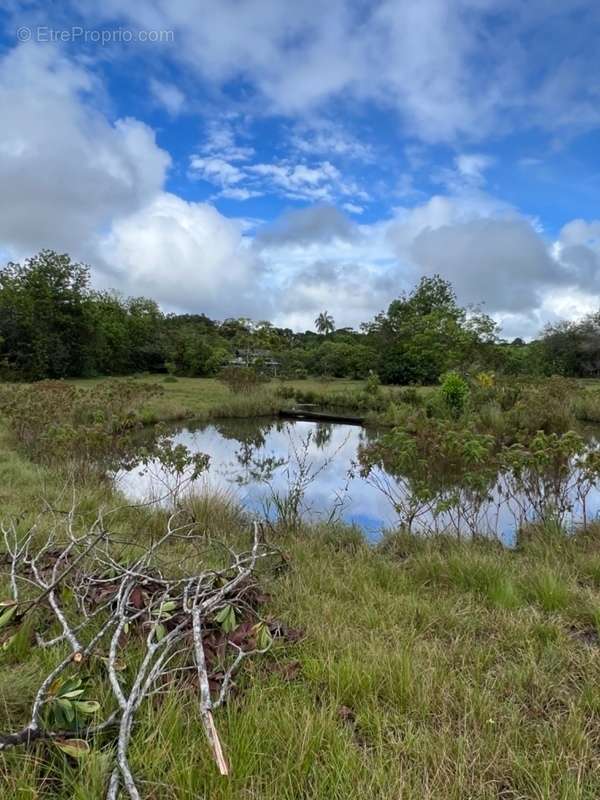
[145, 321]
[425, 333]
[45, 322]
[110, 346]
[324, 323]
[571, 348]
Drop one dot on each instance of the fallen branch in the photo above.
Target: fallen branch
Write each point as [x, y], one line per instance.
[172, 615]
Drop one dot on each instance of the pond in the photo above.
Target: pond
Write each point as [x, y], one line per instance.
[251, 459]
[257, 460]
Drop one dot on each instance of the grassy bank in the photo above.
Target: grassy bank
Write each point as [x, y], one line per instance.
[384, 406]
[208, 398]
[198, 398]
[428, 668]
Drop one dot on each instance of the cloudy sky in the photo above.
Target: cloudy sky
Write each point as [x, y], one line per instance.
[271, 158]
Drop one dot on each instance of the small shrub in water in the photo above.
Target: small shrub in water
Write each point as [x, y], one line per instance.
[546, 406]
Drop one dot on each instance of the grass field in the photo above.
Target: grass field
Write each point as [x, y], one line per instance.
[429, 669]
[207, 398]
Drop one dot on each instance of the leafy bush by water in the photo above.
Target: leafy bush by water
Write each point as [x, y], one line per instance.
[55, 422]
[454, 392]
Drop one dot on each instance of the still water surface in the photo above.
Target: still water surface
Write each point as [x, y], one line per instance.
[241, 450]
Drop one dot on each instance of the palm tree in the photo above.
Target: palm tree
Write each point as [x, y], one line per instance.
[324, 323]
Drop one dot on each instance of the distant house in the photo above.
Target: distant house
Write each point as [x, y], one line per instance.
[262, 359]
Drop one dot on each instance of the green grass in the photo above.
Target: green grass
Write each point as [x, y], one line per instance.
[430, 668]
[415, 681]
[208, 398]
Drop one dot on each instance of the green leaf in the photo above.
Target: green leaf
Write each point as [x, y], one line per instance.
[57, 717]
[72, 695]
[76, 748]
[263, 636]
[63, 689]
[7, 615]
[87, 706]
[160, 632]
[165, 608]
[227, 619]
[67, 708]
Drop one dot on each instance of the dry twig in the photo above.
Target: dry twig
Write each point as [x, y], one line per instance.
[171, 612]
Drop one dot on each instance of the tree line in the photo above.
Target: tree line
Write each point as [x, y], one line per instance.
[53, 324]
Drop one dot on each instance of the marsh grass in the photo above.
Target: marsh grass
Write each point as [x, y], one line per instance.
[429, 668]
[587, 406]
[203, 399]
[552, 405]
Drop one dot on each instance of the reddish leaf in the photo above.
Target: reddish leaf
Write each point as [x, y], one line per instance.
[136, 598]
[241, 633]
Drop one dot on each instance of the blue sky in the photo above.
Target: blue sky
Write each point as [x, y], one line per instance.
[272, 159]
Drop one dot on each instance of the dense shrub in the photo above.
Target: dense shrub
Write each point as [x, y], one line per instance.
[455, 392]
[411, 396]
[586, 406]
[544, 406]
[373, 383]
[53, 324]
[54, 421]
[242, 379]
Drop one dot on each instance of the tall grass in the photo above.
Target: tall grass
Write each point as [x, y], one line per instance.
[586, 406]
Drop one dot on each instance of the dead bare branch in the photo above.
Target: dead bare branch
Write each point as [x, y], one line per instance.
[103, 594]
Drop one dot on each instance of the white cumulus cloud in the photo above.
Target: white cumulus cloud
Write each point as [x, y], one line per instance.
[187, 255]
[66, 170]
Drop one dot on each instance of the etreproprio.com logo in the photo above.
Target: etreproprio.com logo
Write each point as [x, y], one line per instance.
[101, 36]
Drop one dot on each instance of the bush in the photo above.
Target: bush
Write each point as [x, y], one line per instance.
[587, 406]
[55, 422]
[373, 384]
[242, 379]
[485, 380]
[410, 396]
[545, 406]
[489, 418]
[348, 399]
[455, 392]
[396, 415]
